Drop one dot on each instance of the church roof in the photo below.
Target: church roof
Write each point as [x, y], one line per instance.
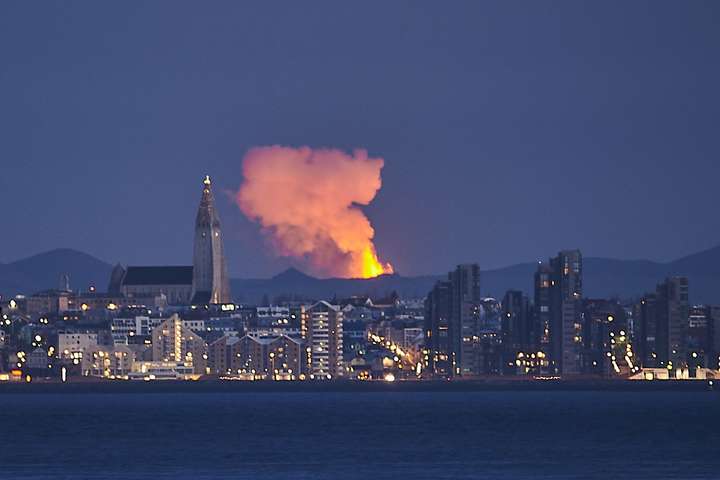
[159, 276]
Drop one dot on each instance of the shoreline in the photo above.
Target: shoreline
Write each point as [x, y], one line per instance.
[429, 386]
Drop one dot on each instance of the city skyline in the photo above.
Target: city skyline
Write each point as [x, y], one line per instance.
[182, 323]
[373, 240]
[510, 125]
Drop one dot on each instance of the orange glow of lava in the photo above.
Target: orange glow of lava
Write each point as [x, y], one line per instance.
[371, 266]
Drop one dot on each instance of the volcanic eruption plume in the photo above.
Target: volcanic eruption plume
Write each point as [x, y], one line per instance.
[307, 201]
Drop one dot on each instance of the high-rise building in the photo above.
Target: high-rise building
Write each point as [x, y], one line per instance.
[453, 323]
[572, 341]
[567, 310]
[672, 321]
[699, 339]
[541, 307]
[661, 322]
[210, 278]
[325, 341]
[437, 329]
[465, 319]
[521, 335]
[604, 323]
[471, 359]
[516, 325]
[558, 291]
[645, 330]
[714, 334]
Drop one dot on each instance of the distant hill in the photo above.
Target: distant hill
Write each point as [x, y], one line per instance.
[603, 278]
[43, 271]
[293, 284]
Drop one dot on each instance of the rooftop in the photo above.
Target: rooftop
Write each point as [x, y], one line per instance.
[159, 276]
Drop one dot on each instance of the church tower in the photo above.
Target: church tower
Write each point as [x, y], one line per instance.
[210, 279]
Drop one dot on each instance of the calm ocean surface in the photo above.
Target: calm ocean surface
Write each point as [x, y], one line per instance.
[473, 435]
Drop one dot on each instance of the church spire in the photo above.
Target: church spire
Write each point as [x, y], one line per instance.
[210, 279]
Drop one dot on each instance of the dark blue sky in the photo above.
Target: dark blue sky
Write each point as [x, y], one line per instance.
[510, 130]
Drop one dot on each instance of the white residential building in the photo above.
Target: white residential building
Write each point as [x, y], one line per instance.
[325, 339]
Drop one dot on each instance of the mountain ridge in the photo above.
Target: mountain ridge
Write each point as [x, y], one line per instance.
[604, 277]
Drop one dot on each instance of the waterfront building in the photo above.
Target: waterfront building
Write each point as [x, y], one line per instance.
[325, 341]
[225, 356]
[714, 334]
[543, 283]
[108, 361]
[700, 349]
[468, 360]
[73, 344]
[439, 353]
[558, 295]
[174, 342]
[163, 370]
[278, 357]
[516, 329]
[661, 321]
[604, 323]
[38, 361]
[645, 330]
[672, 321]
[286, 357]
[566, 311]
[516, 321]
[453, 324]
[465, 320]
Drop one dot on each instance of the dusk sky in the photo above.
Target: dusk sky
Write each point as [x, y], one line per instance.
[508, 130]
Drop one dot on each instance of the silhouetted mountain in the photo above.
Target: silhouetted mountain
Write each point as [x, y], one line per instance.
[43, 271]
[292, 276]
[603, 277]
[705, 263]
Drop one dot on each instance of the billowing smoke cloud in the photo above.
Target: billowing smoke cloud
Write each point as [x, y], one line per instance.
[307, 203]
